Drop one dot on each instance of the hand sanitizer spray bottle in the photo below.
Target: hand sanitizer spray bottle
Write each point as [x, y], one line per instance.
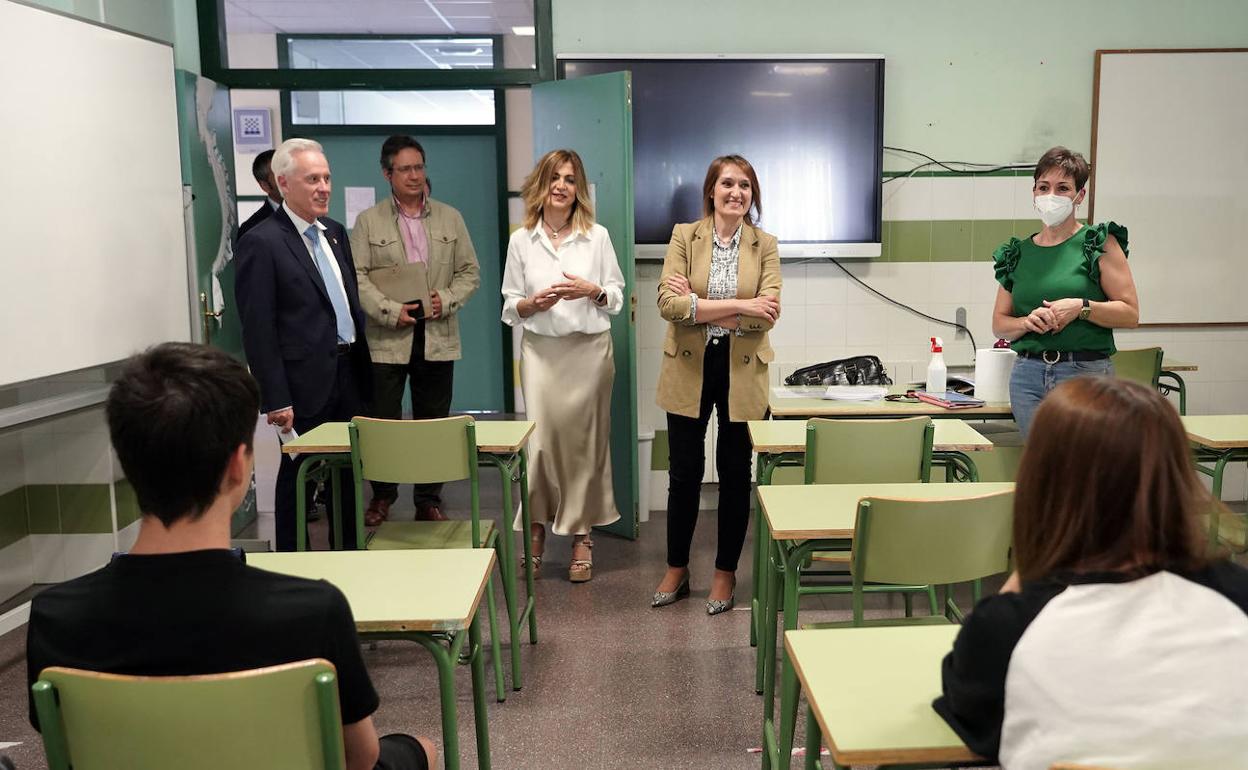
[936, 370]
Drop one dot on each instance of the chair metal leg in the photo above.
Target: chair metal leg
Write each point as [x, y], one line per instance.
[789, 687]
[479, 713]
[526, 516]
[445, 659]
[335, 479]
[814, 741]
[495, 644]
[508, 568]
[767, 645]
[758, 555]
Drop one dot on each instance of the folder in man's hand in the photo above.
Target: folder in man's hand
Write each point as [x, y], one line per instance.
[407, 284]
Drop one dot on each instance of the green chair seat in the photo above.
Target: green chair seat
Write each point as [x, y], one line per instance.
[426, 535]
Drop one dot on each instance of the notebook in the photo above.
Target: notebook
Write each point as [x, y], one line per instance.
[949, 399]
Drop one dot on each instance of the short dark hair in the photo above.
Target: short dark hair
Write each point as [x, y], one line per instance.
[175, 415]
[394, 145]
[1069, 162]
[261, 165]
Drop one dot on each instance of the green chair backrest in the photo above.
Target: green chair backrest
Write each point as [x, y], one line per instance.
[868, 451]
[930, 542]
[282, 717]
[414, 451]
[1142, 366]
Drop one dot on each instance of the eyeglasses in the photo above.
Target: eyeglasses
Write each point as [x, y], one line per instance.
[414, 168]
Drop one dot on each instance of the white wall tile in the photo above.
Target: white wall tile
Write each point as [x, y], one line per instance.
[17, 568]
[951, 281]
[826, 284]
[825, 326]
[993, 197]
[908, 198]
[793, 292]
[48, 553]
[867, 326]
[127, 536]
[790, 330]
[86, 553]
[952, 197]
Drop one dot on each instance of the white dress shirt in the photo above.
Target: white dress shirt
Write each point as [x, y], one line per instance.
[533, 264]
[302, 227]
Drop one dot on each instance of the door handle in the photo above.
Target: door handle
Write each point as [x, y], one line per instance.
[207, 316]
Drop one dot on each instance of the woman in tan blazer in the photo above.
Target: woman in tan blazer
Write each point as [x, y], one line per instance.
[720, 291]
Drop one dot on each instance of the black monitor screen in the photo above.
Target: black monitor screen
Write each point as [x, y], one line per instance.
[812, 129]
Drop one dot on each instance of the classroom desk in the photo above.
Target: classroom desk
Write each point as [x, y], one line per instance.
[451, 585]
[811, 405]
[501, 443]
[870, 692]
[818, 517]
[1219, 439]
[783, 442]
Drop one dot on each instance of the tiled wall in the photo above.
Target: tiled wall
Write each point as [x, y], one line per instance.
[64, 508]
[939, 236]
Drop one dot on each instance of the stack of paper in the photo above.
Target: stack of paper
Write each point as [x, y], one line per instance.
[855, 393]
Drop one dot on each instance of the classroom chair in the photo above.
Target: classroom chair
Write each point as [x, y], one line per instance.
[865, 452]
[427, 452]
[905, 542]
[279, 717]
[1144, 366]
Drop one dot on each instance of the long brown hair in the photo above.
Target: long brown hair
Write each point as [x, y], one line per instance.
[1106, 483]
[537, 187]
[712, 176]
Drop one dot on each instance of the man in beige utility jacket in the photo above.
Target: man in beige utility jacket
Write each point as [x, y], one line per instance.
[409, 344]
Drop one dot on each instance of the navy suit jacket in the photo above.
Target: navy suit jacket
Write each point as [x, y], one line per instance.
[264, 212]
[290, 334]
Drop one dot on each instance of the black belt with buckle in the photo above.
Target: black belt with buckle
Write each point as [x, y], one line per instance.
[344, 348]
[1061, 356]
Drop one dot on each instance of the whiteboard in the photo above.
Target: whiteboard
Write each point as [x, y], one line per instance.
[1170, 163]
[93, 255]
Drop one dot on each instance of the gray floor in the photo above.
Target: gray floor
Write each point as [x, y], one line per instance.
[612, 683]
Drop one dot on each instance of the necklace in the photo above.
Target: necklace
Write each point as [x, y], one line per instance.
[554, 231]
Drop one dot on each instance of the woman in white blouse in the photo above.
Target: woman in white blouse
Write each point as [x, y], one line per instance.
[561, 285]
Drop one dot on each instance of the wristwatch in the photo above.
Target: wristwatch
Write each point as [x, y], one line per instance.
[1087, 310]
[601, 299]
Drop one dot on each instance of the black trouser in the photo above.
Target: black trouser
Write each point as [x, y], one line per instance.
[401, 752]
[343, 404]
[431, 384]
[687, 461]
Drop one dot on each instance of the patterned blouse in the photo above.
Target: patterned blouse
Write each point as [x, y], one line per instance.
[723, 280]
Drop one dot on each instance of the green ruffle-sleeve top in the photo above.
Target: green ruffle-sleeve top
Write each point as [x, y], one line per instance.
[1034, 273]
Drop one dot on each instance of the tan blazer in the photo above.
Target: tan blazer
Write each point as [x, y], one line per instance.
[453, 272]
[758, 273]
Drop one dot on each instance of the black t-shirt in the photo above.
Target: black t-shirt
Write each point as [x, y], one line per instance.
[202, 612]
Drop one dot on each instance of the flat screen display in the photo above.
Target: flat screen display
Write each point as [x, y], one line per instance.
[812, 129]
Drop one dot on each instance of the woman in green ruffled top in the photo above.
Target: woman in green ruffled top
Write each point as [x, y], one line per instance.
[1063, 290]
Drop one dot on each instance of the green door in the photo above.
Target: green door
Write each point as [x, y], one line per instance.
[463, 172]
[594, 117]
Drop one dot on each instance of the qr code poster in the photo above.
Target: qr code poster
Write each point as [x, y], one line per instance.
[253, 131]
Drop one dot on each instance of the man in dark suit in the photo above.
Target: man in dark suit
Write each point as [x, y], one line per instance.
[303, 327]
[262, 170]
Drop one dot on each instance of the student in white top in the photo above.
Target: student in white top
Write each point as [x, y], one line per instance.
[1121, 639]
[562, 284]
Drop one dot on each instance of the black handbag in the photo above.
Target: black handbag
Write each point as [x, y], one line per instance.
[858, 370]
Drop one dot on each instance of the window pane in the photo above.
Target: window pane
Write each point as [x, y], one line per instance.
[384, 108]
[253, 26]
[390, 53]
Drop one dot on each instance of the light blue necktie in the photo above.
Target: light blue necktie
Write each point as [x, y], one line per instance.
[337, 293]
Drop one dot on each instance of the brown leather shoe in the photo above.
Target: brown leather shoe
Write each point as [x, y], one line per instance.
[429, 512]
[377, 512]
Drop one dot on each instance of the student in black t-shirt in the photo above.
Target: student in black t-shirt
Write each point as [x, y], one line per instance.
[181, 418]
[1120, 641]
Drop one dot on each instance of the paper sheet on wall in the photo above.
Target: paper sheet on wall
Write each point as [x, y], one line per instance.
[359, 199]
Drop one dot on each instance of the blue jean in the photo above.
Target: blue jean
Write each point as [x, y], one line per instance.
[1032, 379]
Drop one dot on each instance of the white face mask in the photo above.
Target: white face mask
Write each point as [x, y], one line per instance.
[1054, 209]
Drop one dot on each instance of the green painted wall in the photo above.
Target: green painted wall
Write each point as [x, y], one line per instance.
[975, 80]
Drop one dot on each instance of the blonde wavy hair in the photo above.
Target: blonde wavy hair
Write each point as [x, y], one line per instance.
[537, 187]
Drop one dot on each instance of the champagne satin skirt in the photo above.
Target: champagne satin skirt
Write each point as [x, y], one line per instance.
[567, 392]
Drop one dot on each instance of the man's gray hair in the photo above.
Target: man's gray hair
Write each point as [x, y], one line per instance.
[284, 158]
